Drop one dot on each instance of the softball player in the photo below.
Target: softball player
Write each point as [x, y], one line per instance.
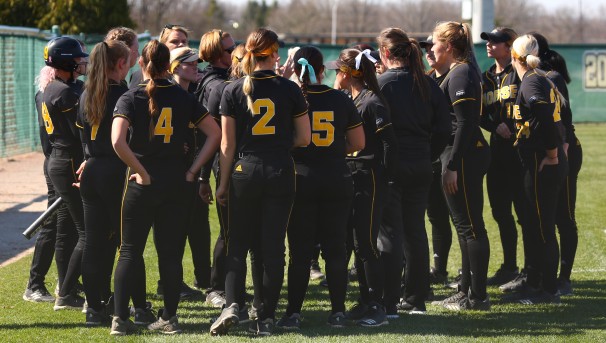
[539, 140]
[324, 189]
[504, 177]
[420, 118]
[102, 180]
[464, 161]
[555, 66]
[371, 168]
[59, 110]
[158, 113]
[263, 117]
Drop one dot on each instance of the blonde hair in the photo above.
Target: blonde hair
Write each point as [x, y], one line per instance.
[260, 44]
[525, 49]
[46, 76]
[103, 59]
[167, 31]
[458, 35]
[236, 59]
[211, 47]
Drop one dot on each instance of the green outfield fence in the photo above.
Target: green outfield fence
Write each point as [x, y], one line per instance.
[21, 60]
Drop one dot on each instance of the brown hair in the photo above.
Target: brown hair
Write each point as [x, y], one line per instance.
[211, 48]
[316, 61]
[156, 58]
[366, 70]
[123, 34]
[103, 59]
[236, 59]
[406, 50]
[166, 31]
[260, 44]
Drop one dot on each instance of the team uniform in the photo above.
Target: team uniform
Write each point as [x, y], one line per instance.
[565, 217]
[262, 184]
[370, 170]
[158, 144]
[468, 154]
[504, 179]
[101, 186]
[422, 128]
[539, 128]
[323, 198]
[59, 110]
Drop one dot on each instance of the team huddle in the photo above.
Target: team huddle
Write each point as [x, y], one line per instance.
[346, 169]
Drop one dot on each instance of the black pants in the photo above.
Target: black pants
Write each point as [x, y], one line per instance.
[198, 235]
[403, 234]
[370, 198]
[163, 204]
[101, 186]
[261, 194]
[62, 166]
[217, 272]
[565, 217]
[542, 190]
[504, 183]
[320, 212]
[466, 207]
[439, 217]
[44, 249]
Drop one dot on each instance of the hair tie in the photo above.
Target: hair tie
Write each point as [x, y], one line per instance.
[312, 74]
[366, 53]
[461, 25]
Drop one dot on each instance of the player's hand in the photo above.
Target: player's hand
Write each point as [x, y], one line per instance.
[548, 161]
[141, 179]
[79, 173]
[503, 131]
[449, 181]
[565, 146]
[185, 148]
[222, 194]
[206, 193]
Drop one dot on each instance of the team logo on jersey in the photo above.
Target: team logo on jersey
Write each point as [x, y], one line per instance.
[239, 168]
[532, 99]
[460, 92]
[379, 121]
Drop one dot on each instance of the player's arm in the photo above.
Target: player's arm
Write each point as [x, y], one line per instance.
[213, 138]
[120, 127]
[226, 157]
[354, 139]
[302, 134]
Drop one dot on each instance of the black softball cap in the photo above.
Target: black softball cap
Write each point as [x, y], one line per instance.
[495, 36]
[427, 43]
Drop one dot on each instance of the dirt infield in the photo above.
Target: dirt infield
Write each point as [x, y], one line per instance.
[22, 200]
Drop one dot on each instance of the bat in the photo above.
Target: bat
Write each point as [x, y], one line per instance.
[44, 219]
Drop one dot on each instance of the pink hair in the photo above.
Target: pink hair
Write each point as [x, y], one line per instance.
[47, 74]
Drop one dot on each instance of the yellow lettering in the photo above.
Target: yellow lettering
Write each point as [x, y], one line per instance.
[164, 125]
[93, 132]
[262, 127]
[48, 123]
[322, 122]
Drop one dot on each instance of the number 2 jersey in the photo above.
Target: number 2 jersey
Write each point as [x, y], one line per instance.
[331, 113]
[537, 113]
[269, 126]
[161, 137]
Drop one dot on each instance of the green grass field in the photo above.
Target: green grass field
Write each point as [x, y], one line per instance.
[580, 318]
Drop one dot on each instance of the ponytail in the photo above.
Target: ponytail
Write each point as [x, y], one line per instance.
[103, 60]
[260, 44]
[156, 58]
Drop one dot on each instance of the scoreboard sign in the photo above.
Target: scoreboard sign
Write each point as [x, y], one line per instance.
[594, 70]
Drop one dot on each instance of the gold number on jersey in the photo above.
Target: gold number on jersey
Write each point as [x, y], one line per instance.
[261, 127]
[164, 125]
[555, 99]
[322, 123]
[93, 132]
[48, 123]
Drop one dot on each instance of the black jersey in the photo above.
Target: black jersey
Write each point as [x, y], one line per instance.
[331, 115]
[565, 110]
[269, 126]
[416, 122]
[498, 97]
[44, 142]
[59, 109]
[214, 100]
[97, 138]
[537, 113]
[163, 136]
[463, 89]
[212, 76]
[375, 118]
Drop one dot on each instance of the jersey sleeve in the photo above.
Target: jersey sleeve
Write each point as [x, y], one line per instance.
[227, 107]
[353, 116]
[80, 114]
[380, 112]
[125, 108]
[199, 112]
[538, 99]
[214, 101]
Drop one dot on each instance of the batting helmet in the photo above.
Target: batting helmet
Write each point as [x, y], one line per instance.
[60, 53]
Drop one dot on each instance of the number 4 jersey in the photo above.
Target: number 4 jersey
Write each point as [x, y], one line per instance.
[162, 136]
[269, 125]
